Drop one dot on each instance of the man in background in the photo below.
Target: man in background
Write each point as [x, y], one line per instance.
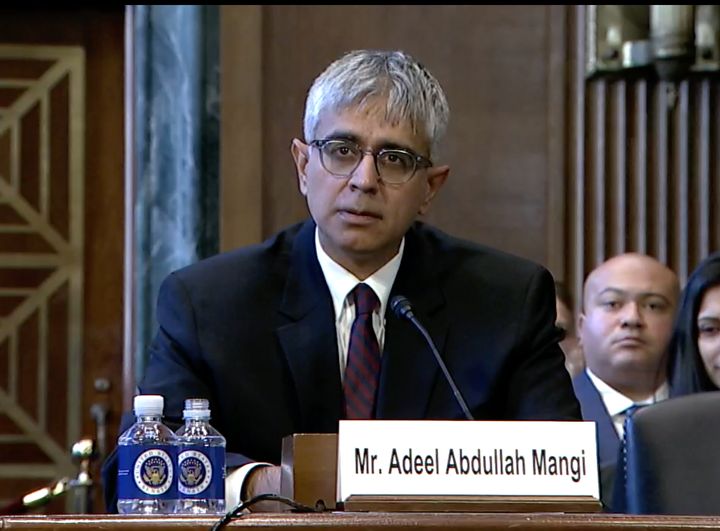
[624, 327]
[565, 321]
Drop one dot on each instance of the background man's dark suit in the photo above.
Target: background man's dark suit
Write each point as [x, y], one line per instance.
[254, 331]
[593, 408]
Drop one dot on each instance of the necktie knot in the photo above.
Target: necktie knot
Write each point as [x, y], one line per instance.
[365, 299]
[630, 411]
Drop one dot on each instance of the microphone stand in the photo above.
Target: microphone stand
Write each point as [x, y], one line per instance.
[403, 309]
[83, 452]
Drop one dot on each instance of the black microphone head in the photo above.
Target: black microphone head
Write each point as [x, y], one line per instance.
[401, 307]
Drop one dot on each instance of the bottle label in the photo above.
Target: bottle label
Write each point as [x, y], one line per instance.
[147, 472]
[201, 472]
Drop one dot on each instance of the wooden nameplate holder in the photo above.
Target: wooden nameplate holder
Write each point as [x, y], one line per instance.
[309, 469]
[309, 476]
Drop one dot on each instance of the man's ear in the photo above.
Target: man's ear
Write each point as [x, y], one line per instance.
[300, 155]
[435, 178]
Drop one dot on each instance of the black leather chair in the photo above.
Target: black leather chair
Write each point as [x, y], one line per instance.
[670, 463]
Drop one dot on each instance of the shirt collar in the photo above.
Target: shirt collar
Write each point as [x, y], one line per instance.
[616, 402]
[341, 281]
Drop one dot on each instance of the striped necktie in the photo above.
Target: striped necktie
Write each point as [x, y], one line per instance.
[363, 361]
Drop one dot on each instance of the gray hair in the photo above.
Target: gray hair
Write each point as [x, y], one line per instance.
[359, 78]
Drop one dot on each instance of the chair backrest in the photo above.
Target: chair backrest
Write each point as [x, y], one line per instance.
[671, 460]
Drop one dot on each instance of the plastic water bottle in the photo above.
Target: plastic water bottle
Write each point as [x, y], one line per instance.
[147, 455]
[201, 462]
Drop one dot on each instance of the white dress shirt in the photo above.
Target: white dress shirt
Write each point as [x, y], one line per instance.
[617, 403]
[341, 282]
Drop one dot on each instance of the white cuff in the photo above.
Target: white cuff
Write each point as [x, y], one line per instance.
[234, 483]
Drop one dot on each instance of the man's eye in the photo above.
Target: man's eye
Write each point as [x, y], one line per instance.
[341, 150]
[396, 158]
[655, 306]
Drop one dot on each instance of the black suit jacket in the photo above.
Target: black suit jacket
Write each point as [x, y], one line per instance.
[593, 408]
[253, 330]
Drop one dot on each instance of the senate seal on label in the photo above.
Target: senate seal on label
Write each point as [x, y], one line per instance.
[153, 472]
[195, 471]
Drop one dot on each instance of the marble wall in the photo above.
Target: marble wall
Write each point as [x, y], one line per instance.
[176, 115]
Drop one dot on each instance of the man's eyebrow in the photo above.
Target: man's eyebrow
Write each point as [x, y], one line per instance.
[640, 295]
[613, 291]
[381, 144]
[341, 135]
[394, 145]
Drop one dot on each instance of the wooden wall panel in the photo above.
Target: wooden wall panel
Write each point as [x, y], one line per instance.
[241, 127]
[575, 216]
[648, 150]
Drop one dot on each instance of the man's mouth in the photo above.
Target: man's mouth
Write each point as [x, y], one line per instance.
[359, 214]
[629, 341]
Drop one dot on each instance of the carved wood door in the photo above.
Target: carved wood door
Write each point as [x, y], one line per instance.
[61, 240]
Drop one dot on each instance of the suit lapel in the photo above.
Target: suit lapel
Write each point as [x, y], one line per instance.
[308, 338]
[593, 408]
[409, 370]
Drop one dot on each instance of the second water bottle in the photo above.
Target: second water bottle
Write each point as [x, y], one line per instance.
[201, 462]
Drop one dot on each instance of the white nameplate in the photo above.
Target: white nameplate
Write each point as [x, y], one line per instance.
[434, 457]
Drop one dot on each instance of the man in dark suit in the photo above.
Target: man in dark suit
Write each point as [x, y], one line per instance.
[265, 332]
[629, 303]
[608, 440]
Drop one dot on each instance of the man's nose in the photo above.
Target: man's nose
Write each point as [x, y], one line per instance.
[632, 315]
[366, 176]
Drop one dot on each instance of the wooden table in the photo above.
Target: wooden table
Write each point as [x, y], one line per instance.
[367, 521]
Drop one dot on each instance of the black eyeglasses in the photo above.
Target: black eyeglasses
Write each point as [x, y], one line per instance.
[394, 166]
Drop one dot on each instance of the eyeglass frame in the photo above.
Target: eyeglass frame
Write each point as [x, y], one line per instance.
[418, 160]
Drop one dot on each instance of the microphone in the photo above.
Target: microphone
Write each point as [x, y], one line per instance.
[403, 309]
